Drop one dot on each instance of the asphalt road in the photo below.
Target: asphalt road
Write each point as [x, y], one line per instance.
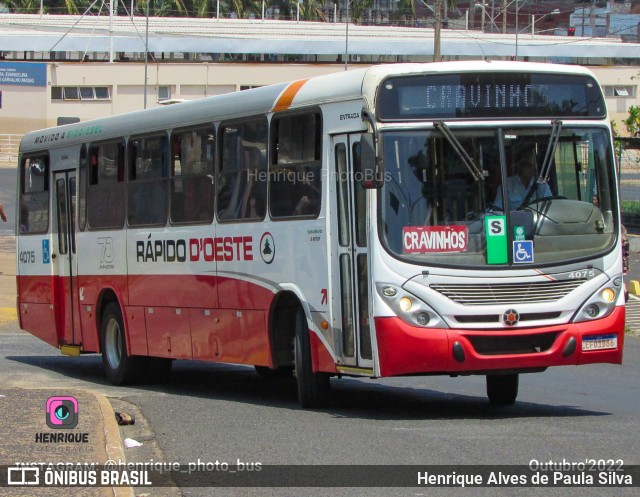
[226, 413]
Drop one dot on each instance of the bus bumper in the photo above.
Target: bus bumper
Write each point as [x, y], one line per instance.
[404, 349]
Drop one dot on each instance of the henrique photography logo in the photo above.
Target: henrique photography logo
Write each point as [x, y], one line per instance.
[62, 412]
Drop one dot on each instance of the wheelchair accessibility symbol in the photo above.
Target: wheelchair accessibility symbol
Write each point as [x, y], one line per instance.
[523, 251]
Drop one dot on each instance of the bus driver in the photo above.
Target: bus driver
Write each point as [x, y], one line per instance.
[518, 185]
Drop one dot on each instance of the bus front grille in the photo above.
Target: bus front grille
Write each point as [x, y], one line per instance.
[495, 318]
[509, 345]
[507, 293]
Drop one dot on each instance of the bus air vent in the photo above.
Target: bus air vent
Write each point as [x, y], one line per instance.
[509, 345]
[507, 293]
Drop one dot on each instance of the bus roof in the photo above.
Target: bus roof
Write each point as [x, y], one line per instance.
[341, 86]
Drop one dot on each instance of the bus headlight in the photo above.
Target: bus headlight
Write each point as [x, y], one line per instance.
[601, 303]
[405, 304]
[408, 307]
[608, 295]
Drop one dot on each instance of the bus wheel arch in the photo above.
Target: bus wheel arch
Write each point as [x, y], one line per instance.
[282, 329]
[120, 367]
[290, 341]
[313, 388]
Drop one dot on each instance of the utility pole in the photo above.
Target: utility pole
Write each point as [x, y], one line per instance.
[436, 31]
[504, 17]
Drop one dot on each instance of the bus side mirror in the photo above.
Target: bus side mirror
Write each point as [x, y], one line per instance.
[370, 176]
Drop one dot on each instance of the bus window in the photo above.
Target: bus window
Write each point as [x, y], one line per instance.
[242, 184]
[34, 194]
[105, 196]
[192, 176]
[82, 190]
[295, 166]
[147, 188]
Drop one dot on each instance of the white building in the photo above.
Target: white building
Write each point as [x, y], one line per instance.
[98, 68]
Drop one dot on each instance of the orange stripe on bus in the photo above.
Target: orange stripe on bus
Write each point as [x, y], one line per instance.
[285, 99]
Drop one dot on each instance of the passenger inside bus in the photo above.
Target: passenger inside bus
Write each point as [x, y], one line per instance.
[252, 202]
[240, 195]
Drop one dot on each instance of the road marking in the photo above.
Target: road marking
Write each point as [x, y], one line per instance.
[633, 314]
[8, 315]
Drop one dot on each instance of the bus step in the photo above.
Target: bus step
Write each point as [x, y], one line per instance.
[72, 350]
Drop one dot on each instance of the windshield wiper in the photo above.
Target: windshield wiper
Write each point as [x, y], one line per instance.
[545, 167]
[477, 173]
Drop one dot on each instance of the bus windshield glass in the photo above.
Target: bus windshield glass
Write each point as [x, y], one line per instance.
[469, 196]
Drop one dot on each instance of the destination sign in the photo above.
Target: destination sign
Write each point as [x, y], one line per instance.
[493, 95]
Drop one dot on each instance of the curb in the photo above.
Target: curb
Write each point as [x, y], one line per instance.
[8, 315]
[113, 440]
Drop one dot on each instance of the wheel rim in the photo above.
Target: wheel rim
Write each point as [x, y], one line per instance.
[113, 344]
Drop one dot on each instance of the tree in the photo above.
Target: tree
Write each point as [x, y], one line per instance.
[632, 122]
[52, 6]
[200, 8]
[164, 8]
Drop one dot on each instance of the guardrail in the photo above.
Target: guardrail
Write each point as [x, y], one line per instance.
[9, 146]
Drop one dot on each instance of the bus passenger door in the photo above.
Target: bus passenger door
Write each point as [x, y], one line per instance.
[63, 259]
[350, 259]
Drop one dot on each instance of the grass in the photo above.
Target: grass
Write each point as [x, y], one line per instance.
[631, 206]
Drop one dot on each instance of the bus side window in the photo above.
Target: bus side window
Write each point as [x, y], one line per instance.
[105, 197]
[82, 189]
[34, 194]
[147, 188]
[242, 178]
[294, 175]
[192, 176]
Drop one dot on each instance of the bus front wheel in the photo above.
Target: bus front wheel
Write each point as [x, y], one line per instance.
[120, 368]
[502, 390]
[313, 388]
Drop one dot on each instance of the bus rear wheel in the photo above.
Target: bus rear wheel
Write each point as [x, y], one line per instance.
[313, 388]
[502, 390]
[119, 367]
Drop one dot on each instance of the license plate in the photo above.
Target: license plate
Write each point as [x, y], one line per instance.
[600, 342]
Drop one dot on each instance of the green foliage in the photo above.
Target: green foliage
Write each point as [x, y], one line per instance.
[406, 7]
[632, 122]
[631, 206]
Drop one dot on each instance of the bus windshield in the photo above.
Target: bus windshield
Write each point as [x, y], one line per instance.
[477, 196]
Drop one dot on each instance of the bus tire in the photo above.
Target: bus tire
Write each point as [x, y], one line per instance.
[502, 390]
[313, 388]
[119, 367]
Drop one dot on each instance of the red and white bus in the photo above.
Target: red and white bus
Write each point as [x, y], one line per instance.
[350, 224]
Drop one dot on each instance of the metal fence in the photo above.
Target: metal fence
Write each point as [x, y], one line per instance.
[629, 161]
[9, 145]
